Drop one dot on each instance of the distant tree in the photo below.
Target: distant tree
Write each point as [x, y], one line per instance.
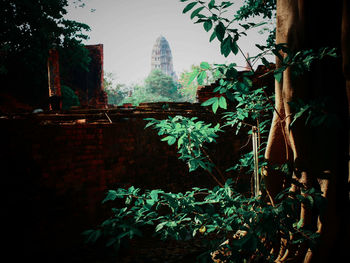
[115, 92]
[141, 94]
[28, 30]
[163, 85]
[157, 87]
[189, 86]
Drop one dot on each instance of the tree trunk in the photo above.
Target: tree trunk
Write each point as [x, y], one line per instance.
[319, 155]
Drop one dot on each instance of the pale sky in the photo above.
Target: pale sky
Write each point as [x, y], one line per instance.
[128, 30]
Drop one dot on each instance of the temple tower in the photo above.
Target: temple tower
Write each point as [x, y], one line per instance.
[162, 58]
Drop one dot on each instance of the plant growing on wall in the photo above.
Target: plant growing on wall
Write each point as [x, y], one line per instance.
[302, 161]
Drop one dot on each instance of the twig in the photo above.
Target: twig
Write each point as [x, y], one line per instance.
[211, 174]
[245, 145]
[216, 168]
[109, 119]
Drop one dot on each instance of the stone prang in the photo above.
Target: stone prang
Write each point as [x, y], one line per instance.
[162, 58]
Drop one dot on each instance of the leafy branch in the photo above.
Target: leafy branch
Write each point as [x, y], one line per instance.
[250, 226]
[246, 222]
[190, 136]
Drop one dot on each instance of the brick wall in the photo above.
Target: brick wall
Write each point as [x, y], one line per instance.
[58, 168]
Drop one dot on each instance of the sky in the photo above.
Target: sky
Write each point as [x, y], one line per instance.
[128, 30]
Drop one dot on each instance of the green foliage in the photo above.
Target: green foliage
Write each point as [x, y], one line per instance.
[69, 98]
[189, 83]
[28, 30]
[252, 225]
[313, 113]
[161, 84]
[301, 61]
[115, 92]
[251, 8]
[190, 136]
[140, 95]
[211, 14]
[157, 87]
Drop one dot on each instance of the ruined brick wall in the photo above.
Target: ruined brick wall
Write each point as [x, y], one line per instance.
[260, 79]
[54, 80]
[89, 84]
[57, 168]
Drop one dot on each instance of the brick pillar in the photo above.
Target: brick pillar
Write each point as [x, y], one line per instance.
[97, 95]
[55, 100]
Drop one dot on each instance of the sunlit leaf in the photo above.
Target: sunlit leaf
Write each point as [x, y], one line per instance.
[205, 65]
[223, 103]
[215, 106]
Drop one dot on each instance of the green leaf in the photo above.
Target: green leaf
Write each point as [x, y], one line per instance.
[112, 240]
[172, 140]
[215, 105]
[265, 62]
[193, 165]
[299, 224]
[278, 76]
[193, 75]
[201, 77]
[196, 12]
[226, 46]
[93, 236]
[222, 103]
[205, 65]
[211, 4]
[220, 31]
[111, 196]
[213, 36]
[209, 102]
[149, 203]
[180, 141]
[160, 226]
[231, 73]
[171, 224]
[262, 48]
[234, 47]
[245, 26]
[149, 124]
[247, 81]
[277, 54]
[154, 195]
[207, 25]
[189, 7]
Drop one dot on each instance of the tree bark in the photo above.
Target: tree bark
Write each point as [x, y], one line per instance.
[319, 155]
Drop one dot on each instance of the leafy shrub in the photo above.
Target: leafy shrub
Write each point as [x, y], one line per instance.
[69, 98]
[238, 228]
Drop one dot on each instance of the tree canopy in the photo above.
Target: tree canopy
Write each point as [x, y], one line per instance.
[156, 87]
[28, 30]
